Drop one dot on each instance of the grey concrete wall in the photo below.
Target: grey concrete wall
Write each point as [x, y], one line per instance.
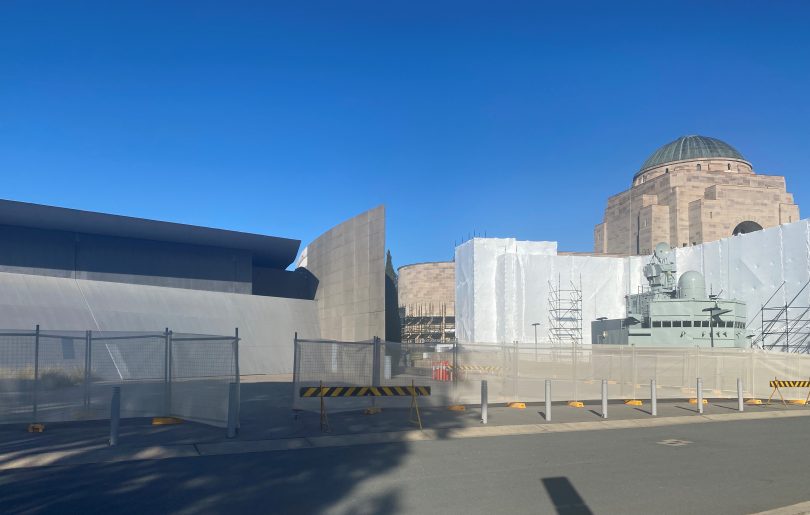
[266, 324]
[349, 263]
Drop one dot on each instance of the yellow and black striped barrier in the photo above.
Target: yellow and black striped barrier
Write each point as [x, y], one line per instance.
[478, 368]
[789, 384]
[322, 392]
[364, 391]
[777, 383]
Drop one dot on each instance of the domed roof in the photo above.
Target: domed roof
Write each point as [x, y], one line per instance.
[691, 147]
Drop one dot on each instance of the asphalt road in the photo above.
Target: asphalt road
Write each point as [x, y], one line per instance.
[733, 467]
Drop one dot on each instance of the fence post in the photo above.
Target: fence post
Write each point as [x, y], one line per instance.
[375, 365]
[548, 400]
[88, 338]
[115, 415]
[36, 372]
[376, 362]
[238, 375]
[653, 399]
[484, 401]
[233, 409]
[635, 369]
[604, 398]
[740, 402]
[296, 374]
[516, 371]
[455, 373]
[700, 395]
[167, 378]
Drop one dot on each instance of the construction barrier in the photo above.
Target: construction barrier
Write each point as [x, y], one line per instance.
[364, 391]
[322, 392]
[482, 369]
[776, 384]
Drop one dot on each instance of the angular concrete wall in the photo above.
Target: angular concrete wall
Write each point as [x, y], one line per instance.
[349, 264]
[266, 324]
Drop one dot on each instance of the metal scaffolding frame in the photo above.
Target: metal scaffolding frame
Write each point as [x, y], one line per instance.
[426, 323]
[565, 313]
[783, 327]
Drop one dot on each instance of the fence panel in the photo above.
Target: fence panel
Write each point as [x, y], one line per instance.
[48, 376]
[17, 362]
[202, 369]
[514, 373]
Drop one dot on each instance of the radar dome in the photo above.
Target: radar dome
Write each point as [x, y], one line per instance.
[691, 286]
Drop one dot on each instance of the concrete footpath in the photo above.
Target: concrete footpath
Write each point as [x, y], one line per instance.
[85, 443]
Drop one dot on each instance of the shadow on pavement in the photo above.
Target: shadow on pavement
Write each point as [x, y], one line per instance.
[565, 497]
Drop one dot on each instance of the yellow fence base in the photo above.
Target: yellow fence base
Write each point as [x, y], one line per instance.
[457, 407]
[516, 405]
[694, 401]
[634, 402]
[576, 404]
[166, 421]
[754, 402]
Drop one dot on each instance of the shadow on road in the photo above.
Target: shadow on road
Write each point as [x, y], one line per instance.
[565, 497]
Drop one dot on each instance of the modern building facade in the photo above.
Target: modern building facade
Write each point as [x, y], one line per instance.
[349, 263]
[427, 302]
[692, 190]
[76, 270]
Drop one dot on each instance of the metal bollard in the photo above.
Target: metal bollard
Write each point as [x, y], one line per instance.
[653, 399]
[740, 402]
[604, 398]
[548, 400]
[700, 395]
[233, 409]
[484, 402]
[115, 415]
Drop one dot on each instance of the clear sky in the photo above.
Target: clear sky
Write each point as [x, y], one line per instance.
[514, 119]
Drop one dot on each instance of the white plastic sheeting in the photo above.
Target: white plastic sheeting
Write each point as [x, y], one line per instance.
[502, 285]
[502, 288]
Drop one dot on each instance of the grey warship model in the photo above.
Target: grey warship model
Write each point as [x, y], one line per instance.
[669, 315]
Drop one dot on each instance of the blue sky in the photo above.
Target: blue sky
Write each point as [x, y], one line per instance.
[514, 119]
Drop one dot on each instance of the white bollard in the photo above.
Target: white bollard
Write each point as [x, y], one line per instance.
[548, 400]
[653, 399]
[484, 402]
[700, 395]
[604, 398]
[740, 402]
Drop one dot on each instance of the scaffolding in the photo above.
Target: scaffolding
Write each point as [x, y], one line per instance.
[427, 323]
[565, 313]
[783, 327]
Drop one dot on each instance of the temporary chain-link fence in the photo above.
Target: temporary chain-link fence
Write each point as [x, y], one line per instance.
[49, 376]
[518, 373]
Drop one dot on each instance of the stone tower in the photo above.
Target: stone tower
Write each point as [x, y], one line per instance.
[693, 190]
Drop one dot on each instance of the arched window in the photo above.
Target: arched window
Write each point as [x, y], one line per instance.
[666, 171]
[698, 167]
[746, 227]
[729, 166]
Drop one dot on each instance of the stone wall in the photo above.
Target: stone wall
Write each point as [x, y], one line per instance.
[681, 205]
[430, 285]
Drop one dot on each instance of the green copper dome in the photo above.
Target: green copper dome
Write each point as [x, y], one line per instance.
[691, 147]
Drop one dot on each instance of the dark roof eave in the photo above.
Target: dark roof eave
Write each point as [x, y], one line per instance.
[267, 251]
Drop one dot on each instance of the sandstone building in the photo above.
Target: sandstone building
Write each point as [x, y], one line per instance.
[693, 190]
[427, 293]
